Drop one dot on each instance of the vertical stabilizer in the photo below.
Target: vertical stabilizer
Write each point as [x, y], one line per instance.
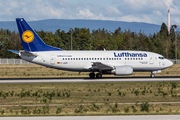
[30, 40]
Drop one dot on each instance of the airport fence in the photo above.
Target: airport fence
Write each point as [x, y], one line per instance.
[174, 61]
[6, 61]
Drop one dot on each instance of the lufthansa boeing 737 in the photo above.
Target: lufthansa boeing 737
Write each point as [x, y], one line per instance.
[117, 62]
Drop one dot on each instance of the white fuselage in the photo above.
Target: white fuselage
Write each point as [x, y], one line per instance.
[83, 60]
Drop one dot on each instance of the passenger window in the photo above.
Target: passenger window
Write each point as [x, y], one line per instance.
[114, 58]
[89, 58]
[125, 58]
[133, 58]
[103, 58]
[63, 58]
[84, 58]
[136, 58]
[109, 58]
[97, 58]
[92, 58]
[141, 58]
[79, 58]
[73, 58]
[106, 58]
[100, 58]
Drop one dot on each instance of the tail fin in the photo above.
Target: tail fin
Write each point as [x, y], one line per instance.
[30, 40]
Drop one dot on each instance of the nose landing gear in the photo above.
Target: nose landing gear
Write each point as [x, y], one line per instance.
[152, 75]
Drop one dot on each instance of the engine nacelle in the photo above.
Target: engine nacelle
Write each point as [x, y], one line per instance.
[123, 70]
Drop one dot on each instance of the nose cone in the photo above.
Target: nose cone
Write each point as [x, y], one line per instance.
[170, 63]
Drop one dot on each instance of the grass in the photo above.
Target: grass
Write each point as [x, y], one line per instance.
[89, 110]
[89, 98]
[72, 93]
[37, 71]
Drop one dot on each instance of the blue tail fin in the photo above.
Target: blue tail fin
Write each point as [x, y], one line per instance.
[30, 40]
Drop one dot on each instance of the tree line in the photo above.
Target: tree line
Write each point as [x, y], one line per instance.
[160, 42]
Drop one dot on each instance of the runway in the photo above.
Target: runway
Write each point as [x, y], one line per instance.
[88, 80]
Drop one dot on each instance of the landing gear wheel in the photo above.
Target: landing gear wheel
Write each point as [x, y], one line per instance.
[91, 75]
[152, 75]
[98, 75]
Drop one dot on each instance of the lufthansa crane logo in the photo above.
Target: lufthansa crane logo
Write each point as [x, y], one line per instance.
[28, 36]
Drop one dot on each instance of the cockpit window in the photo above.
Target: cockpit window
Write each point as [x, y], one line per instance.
[161, 58]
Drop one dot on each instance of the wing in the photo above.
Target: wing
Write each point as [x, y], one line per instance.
[101, 66]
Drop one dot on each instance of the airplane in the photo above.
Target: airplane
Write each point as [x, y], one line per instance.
[117, 62]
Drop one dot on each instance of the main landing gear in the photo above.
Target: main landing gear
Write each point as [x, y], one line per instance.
[92, 75]
[98, 75]
[152, 75]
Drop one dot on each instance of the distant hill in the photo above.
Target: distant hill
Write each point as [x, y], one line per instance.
[63, 24]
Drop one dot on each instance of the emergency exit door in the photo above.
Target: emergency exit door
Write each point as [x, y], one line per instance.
[151, 59]
[52, 60]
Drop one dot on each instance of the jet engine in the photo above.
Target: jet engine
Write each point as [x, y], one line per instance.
[122, 70]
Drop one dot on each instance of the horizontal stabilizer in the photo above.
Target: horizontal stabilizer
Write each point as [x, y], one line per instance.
[14, 51]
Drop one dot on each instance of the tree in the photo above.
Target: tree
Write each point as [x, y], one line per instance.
[164, 30]
[160, 42]
[85, 43]
[172, 34]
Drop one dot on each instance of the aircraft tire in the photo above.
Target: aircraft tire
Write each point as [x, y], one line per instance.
[152, 75]
[91, 75]
[98, 75]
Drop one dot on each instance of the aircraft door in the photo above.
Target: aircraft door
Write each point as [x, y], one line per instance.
[52, 60]
[151, 59]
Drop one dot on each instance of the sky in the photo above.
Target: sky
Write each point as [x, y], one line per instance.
[148, 11]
